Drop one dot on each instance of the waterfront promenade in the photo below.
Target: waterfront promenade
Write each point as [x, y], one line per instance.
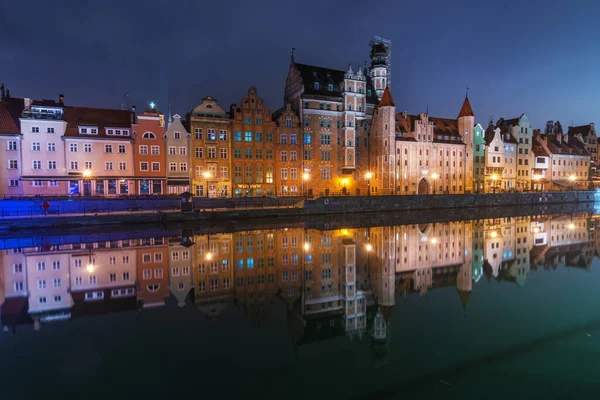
[123, 212]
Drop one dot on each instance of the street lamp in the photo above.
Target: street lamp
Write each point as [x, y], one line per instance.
[535, 179]
[494, 179]
[572, 179]
[345, 182]
[434, 176]
[368, 176]
[305, 178]
[206, 175]
[369, 247]
[87, 183]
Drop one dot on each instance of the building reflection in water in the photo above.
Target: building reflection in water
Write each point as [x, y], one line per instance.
[333, 282]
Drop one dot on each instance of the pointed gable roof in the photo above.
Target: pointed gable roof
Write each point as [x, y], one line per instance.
[386, 99]
[466, 110]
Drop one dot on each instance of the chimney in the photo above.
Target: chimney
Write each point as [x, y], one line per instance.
[27, 103]
[61, 99]
[565, 137]
[558, 138]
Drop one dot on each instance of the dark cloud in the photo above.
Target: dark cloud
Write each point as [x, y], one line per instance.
[537, 57]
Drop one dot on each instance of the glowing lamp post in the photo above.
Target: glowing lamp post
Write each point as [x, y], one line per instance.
[368, 176]
[345, 182]
[305, 178]
[494, 179]
[87, 182]
[206, 175]
[434, 177]
[572, 180]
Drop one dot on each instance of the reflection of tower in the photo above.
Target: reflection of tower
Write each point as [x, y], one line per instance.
[381, 64]
[464, 279]
[477, 256]
[383, 270]
[355, 302]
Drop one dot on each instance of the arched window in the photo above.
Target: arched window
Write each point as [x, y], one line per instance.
[149, 135]
[153, 288]
[209, 106]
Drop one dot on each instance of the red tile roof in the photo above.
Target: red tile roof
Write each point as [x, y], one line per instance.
[466, 110]
[444, 130]
[583, 129]
[386, 99]
[574, 146]
[100, 117]
[10, 111]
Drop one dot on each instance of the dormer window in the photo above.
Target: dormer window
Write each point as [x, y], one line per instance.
[209, 106]
[88, 130]
[316, 85]
[330, 87]
[288, 122]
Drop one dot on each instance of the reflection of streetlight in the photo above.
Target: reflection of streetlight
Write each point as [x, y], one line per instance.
[369, 247]
[571, 226]
[536, 230]
[206, 175]
[434, 176]
[90, 268]
[368, 176]
[306, 246]
[494, 234]
[433, 240]
[208, 253]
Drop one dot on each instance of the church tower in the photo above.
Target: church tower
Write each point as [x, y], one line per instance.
[383, 145]
[379, 67]
[466, 124]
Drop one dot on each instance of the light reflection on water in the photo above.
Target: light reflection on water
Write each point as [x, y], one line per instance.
[360, 301]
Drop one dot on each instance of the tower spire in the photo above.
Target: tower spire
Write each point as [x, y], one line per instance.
[293, 50]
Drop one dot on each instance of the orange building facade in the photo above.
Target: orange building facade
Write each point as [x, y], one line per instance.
[149, 154]
[253, 148]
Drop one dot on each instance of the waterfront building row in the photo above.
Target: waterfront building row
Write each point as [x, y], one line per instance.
[337, 133]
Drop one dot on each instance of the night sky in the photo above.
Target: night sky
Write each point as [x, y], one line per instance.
[538, 57]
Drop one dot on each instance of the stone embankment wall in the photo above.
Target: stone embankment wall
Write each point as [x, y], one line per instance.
[328, 205]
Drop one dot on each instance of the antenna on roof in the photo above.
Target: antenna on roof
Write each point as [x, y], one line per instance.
[125, 103]
[293, 50]
[467, 95]
[427, 112]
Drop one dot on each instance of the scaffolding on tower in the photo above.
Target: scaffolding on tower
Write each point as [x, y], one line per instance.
[388, 60]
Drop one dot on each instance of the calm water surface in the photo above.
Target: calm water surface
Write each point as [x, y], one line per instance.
[494, 308]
